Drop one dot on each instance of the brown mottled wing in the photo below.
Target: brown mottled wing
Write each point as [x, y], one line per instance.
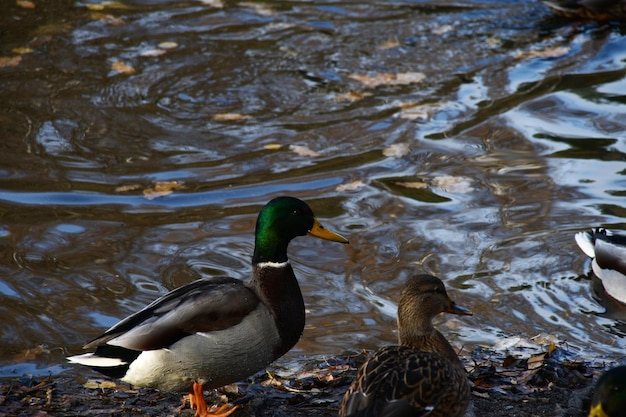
[201, 306]
[398, 381]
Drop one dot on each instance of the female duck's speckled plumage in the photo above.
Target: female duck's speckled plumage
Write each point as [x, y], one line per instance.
[608, 251]
[219, 330]
[609, 398]
[589, 9]
[423, 376]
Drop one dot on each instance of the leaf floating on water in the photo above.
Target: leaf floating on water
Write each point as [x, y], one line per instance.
[442, 29]
[261, 9]
[99, 384]
[397, 150]
[412, 184]
[547, 53]
[22, 50]
[454, 184]
[218, 4]
[153, 52]
[379, 79]
[161, 189]
[389, 44]
[351, 96]
[30, 354]
[230, 117]
[128, 187]
[421, 112]
[107, 5]
[107, 18]
[168, 45]
[354, 185]
[122, 68]
[272, 146]
[303, 151]
[10, 61]
[25, 4]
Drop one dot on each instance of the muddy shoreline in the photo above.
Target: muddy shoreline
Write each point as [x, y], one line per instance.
[545, 384]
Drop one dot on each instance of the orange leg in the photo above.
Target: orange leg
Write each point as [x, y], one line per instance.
[197, 402]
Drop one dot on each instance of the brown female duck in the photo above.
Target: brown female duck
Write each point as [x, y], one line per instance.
[421, 377]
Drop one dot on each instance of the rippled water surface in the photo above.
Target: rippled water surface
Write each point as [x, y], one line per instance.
[469, 139]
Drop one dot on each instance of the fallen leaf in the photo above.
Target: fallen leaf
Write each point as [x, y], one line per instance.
[442, 29]
[351, 96]
[412, 184]
[122, 68]
[161, 189]
[218, 4]
[397, 150]
[379, 79]
[354, 185]
[454, 184]
[230, 117]
[272, 146]
[548, 53]
[10, 61]
[22, 50]
[107, 18]
[536, 361]
[153, 52]
[389, 44]
[99, 384]
[168, 45]
[260, 8]
[25, 4]
[303, 151]
[420, 112]
[126, 188]
[106, 5]
[30, 354]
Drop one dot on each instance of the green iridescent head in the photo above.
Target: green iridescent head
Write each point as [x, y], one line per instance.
[609, 399]
[281, 220]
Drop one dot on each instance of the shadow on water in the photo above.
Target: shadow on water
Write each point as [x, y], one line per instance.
[466, 139]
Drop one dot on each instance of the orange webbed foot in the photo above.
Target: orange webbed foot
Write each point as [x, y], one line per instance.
[197, 402]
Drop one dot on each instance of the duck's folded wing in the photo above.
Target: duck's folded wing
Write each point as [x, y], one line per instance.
[202, 306]
[611, 255]
[388, 384]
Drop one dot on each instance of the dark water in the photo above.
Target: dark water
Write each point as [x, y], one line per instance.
[466, 139]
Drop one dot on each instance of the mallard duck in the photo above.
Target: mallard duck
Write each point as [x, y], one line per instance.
[589, 9]
[216, 331]
[608, 251]
[609, 399]
[423, 376]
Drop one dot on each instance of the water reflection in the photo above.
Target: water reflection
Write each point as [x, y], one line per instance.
[479, 170]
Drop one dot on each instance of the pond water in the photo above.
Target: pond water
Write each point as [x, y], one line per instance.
[468, 139]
